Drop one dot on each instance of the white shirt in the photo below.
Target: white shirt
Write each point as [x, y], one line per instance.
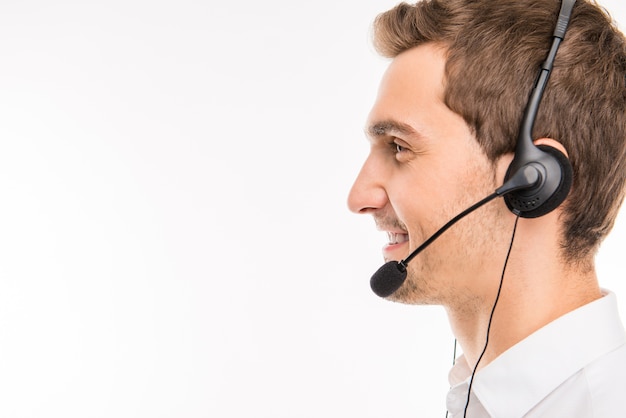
[573, 367]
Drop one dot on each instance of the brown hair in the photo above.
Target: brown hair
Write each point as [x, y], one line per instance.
[494, 51]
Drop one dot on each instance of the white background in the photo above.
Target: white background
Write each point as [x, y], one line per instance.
[174, 238]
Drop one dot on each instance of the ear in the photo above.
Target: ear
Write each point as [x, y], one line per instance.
[549, 158]
[551, 143]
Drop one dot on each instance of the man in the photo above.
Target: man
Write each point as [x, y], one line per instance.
[540, 337]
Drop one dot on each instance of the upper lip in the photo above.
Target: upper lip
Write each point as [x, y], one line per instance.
[396, 233]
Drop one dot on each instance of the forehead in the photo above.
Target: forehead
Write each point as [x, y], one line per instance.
[411, 90]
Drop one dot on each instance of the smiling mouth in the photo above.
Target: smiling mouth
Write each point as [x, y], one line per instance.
[397, 238]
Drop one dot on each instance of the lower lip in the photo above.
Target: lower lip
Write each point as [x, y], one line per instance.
[395, 251]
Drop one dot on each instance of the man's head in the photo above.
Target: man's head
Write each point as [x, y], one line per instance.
[424, 167]
[488, 54]
[493, 51]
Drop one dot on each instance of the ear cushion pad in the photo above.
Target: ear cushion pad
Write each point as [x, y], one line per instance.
[558, 196]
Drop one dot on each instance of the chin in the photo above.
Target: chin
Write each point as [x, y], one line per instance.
[412, 294]
[408, 296]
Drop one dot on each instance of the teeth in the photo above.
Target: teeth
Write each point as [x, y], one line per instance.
[395, 238]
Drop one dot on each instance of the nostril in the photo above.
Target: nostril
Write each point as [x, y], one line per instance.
[366, 200]
[365, 211]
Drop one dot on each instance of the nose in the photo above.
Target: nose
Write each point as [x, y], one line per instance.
[367, 193]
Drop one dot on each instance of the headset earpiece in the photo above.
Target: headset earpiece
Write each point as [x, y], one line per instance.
[555, 182]
[553, 168]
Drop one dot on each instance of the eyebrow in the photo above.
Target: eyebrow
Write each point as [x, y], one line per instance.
[390, 127]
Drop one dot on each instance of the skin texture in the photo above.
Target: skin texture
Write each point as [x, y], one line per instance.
[425, 167]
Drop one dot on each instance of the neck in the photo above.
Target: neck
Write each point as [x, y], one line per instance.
[533, 294]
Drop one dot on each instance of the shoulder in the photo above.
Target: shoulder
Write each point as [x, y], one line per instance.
[597, 390]
[606, 381]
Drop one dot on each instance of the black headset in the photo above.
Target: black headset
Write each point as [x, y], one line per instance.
[551, 170]
[555, 170]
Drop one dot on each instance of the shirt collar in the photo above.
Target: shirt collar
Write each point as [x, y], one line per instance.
[508, 386]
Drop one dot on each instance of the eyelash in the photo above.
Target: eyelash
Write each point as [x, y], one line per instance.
[396, 148]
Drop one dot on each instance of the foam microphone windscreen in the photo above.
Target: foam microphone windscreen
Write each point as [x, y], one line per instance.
[388, 278]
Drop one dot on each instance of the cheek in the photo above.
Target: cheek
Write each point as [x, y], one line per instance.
[424, 198]
[437, 208]
[423, 205]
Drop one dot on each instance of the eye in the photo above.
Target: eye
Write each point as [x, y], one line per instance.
[401, 150]
[400, 147]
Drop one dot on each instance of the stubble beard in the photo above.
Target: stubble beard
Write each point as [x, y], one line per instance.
[437, 275]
